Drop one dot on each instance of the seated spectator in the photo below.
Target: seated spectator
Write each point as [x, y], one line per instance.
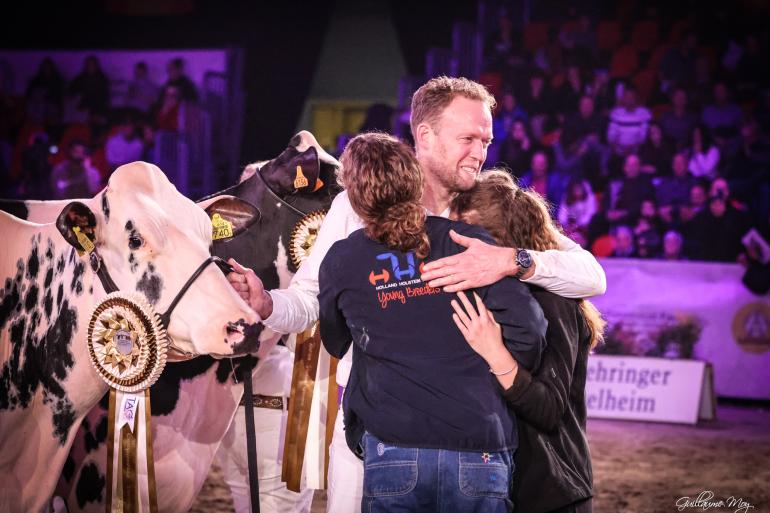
[715, 234]
[123, 146]
[722, 113]
[510, 111]
[628, 124]
[91, 88]
[177, 78]
[516, 149]
[677, 124]
[678, 65]
[647, 231]
[142, 91]
[537, 101]
[45, 92]
[747, 161]
[634, 188]
[580, 150]
[751, 72]
[656, 152]
[504, 47]
[673, 192]
[624, 244]
[704, 154]
[75, 177]
[167, 117]
[35, 168]
[697, 203]
[548, 183]
[569, 93]
[578, 206]
[673, 243]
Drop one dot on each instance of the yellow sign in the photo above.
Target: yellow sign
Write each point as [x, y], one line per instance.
[222, 228]
[300, 180]
[751, 327]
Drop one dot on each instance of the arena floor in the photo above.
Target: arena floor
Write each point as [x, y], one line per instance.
[647, 468]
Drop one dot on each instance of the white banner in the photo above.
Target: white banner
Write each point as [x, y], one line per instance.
[661, 308]
[636, 388]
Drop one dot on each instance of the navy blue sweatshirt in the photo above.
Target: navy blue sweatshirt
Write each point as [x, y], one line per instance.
[415, 381]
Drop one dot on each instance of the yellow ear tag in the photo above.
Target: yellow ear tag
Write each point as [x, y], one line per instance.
[83, 239]
[300, 181]
[222, 228]
[318, 184]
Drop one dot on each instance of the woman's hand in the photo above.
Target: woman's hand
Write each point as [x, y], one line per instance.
[484, 335]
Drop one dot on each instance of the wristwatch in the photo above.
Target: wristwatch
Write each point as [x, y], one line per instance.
[524, 261]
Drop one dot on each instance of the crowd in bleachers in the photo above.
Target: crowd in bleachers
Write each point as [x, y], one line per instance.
[648, 140]
[63, 139]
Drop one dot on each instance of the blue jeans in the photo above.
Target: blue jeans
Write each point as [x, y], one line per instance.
[401, 479]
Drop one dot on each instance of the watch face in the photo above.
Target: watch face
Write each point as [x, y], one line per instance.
[523, 259]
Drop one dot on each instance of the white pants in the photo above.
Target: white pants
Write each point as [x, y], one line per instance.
[274, 497]
[346, 474]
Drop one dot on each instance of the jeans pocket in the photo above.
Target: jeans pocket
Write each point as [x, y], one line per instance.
[388, 469]
[485, 474]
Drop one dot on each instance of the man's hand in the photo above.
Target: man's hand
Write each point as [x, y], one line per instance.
[251, 289]
[480, 265]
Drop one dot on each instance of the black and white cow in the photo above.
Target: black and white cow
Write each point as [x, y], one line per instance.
[193, 403]
[151, 239]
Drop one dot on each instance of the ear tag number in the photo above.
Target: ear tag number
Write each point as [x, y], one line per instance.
[300, 180]
[83, 239]
[222, 228]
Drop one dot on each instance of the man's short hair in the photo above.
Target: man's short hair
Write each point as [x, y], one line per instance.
[430, 100]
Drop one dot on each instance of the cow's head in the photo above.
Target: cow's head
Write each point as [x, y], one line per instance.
[152, 239]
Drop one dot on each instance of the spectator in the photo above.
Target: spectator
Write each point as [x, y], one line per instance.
[673, 192]
[516, 149]
[167, 117]
[704, 157]
[697, 203]
[678, 65]
[142, 91]
[752, 70]
[578, 206]
[177, 78]
[537, 101]
[509, 112]
[647, 230]
[580, 149]
[35, 168]
[148, 142]
[722, 113]
[628, 124]
[715, 234]
[75, 177]
[623, 242]
[634, 188]
[656, 152]
[45, 92]
[748, 168]
[504, 48]
[673, 243]
[91, 88]
[570, 92]
[123, 146]
[549, 184]
[678, 123]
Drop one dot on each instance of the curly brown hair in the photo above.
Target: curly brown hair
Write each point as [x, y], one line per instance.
[430, 100]
[384, 185]
[517, 218]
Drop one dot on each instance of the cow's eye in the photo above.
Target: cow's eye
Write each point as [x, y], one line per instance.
[135, 242]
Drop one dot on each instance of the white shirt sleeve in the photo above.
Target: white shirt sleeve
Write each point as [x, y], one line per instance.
[569, 271]
[296, 308]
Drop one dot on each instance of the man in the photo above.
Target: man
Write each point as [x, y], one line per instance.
[75, 177]
[627, 130]
[451, 122]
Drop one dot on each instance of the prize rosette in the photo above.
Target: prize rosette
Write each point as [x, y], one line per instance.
[303, 236]
[127, 342]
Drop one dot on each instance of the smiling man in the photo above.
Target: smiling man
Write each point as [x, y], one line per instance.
[452, 127]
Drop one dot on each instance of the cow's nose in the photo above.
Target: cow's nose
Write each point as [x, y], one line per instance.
[243, 337]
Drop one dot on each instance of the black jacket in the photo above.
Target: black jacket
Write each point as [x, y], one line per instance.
[553, 464]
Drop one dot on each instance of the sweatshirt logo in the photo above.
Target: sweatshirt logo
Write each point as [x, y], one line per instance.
[401, 281]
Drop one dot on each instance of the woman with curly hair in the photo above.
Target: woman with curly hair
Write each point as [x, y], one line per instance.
[421, 407]
[553, 462]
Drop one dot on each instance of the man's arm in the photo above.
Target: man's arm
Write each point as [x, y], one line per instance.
[295, 308]
[569, 271]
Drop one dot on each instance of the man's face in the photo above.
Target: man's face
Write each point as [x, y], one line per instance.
[78, 153]
[680, 99]
[629, 99]
[539, 164]
[679, 165]
[458, 143]
[586, 106]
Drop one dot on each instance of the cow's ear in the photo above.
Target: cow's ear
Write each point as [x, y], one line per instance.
[77, 224]
[230, 216]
